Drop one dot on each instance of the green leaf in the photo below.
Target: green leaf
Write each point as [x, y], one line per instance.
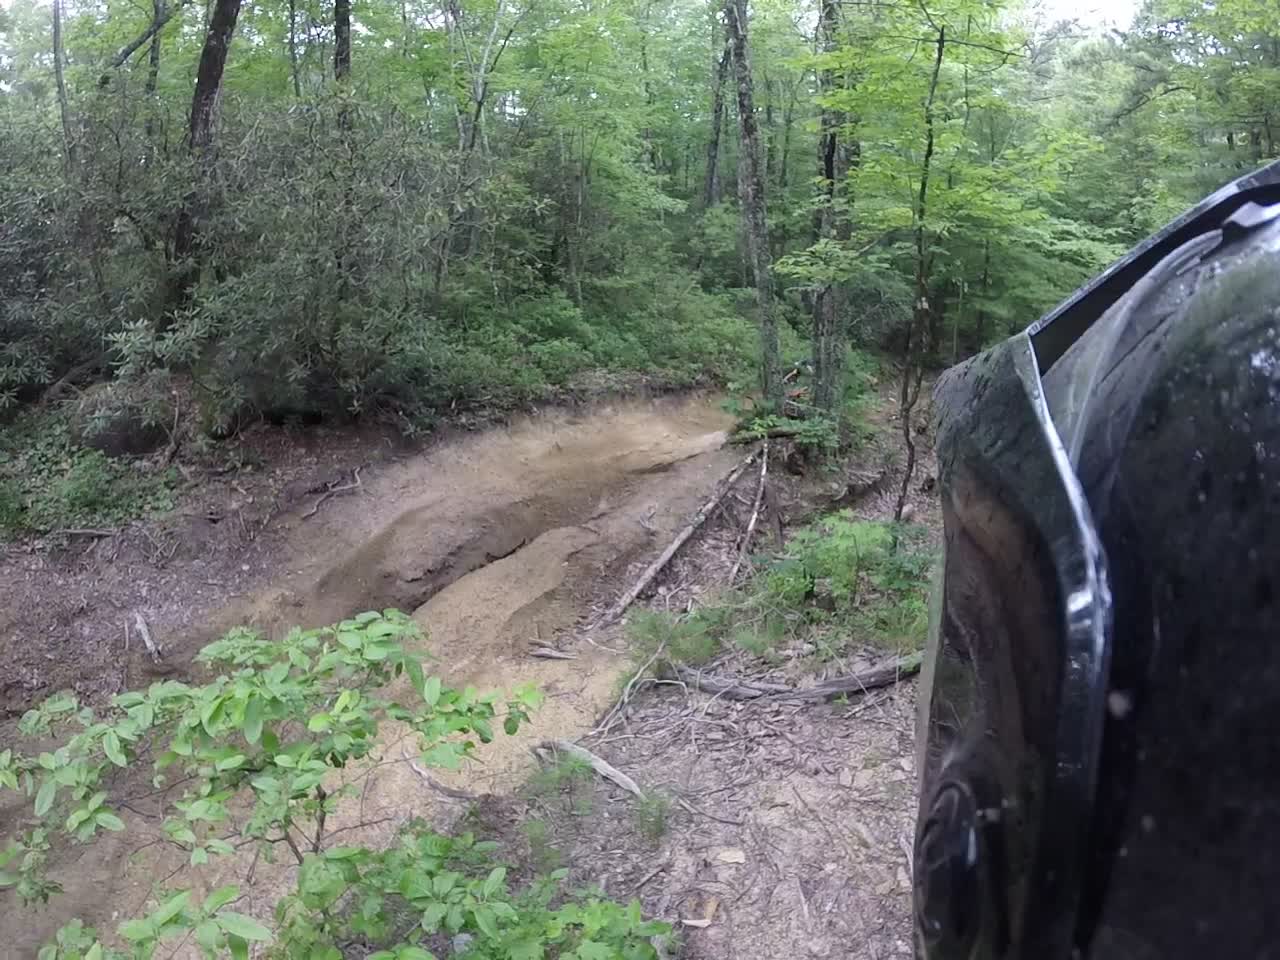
[486, 922]
[239, 948]
[169, 909]
[230, 763]
[220, 898]
[494, 882]
[431, 691]
[238, 925]
[45, 796]
[136, 931]
[111, 747]
[511, 725]
[442, 883]
[108, 820]
[253, 719]
[320, 723]
[207, 935]
[433, 916]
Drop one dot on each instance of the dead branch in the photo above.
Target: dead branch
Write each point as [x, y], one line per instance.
[334, 491]
[85, 532]
[698, 520]
[627, 691]
[734, 688]
[551, 653]
[145, 632]
[773, 433]
[755, 513]
[432, 782]
[729, 688]
[884, 675]
[600, 766]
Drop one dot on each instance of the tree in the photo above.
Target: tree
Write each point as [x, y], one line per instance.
[751, 184]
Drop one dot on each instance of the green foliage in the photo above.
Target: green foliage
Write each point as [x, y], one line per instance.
[49, 482]
[692, 639]
[276, 720]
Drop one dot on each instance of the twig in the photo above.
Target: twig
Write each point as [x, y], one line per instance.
[626, 692]
[85, 532]
[145, 632]
[433, 783]
[551, 653]
[654, 568]
[347, 488]
[755, 513]
[710, 816]
[600, 766]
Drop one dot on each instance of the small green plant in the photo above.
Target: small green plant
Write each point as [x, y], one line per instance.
[568, 778]
[693, 639]
[265, 735]
[652, 814]
[49, 482]
[546, 856]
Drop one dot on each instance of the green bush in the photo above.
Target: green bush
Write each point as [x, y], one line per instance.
[266, 735]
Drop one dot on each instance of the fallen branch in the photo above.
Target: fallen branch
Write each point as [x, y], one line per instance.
[347, 488]
[733, 688]
[884, 675]
[628, 598]
[85, 532]
[730, 688]
[551, 653]
[145, 632]
[755, 514]
[433, 783]
[773, 433]
[602, 767]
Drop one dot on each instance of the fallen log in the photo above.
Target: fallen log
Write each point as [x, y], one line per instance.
[735, 688]
[628, 598]
[773, 433]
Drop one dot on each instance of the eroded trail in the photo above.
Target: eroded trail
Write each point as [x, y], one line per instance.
[497, 542]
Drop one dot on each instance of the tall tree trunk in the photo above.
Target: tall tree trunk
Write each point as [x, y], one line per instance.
[913, 363]
[711, 192]
[341, 39]
[153, 75]
[833, 224]
[204, 114]
[751, 197]
[64, 108]
[293, 49]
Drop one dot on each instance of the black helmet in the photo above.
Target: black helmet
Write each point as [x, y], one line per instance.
[1100, 739]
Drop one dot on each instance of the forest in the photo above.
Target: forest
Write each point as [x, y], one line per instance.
[266, 269]
[399, 208]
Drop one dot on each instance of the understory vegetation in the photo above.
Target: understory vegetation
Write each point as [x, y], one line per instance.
[842, 586]
[246, 763]
[410, 210]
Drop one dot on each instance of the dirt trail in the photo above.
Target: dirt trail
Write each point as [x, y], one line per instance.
[496, 541]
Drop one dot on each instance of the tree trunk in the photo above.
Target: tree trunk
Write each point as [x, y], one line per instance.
[64, 108]
[711, 192]
[913, 366]
[751, 197]
[832, 224]
[153, 75]
[341, 39]
[293, 49]
[204, 113]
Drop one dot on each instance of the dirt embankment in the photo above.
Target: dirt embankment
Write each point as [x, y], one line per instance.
[497, 541]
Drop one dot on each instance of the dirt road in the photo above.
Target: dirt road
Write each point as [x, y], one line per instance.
[496, 541]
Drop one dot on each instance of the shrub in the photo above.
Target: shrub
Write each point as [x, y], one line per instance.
[279, 717]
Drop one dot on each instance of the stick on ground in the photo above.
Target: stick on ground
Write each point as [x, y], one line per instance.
[734, 688]
[620, 607]
[755, 513]
[600, 766]
[145, 632]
